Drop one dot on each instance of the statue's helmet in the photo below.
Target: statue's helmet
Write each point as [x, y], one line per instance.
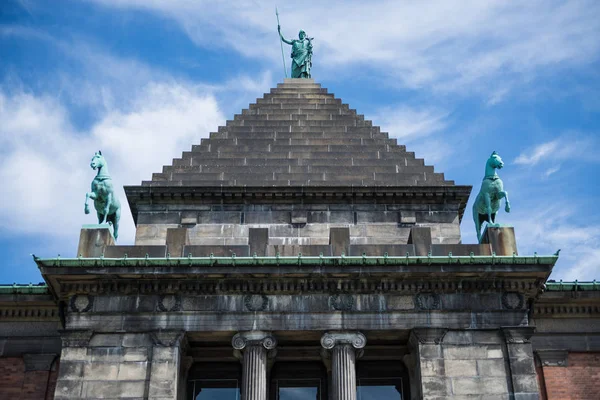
[301, 34]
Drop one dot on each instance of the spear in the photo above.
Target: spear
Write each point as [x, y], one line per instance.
[281, 43]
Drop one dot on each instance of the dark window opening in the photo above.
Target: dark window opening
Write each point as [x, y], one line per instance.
[381, 381]
[215, 381]
[298, 380]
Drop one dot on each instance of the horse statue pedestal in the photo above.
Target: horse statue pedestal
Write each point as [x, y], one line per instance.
[93, 239]
[501, 238]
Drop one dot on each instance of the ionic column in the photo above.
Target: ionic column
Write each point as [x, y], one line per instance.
[345, 348]
[254, 348]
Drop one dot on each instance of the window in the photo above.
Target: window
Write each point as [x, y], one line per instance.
[381, 381]
[215, 389]
[298, 381]
[214, 381]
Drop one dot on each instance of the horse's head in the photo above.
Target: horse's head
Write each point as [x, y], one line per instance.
[495, 161]
[97, 161]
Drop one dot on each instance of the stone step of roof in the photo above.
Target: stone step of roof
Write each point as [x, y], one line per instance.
[339, 122]
[197, 163]
[340, 174]
[315, 115]
[297, 89]
[172, 172]
[298, 101]
[282, 147]
[372, 135]
[299, 85]
[298, 134]
[320, 183]
[292, 142]
[277, 109]
[325, 105]
[335, 130]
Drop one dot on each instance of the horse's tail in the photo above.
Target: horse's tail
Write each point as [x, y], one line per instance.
[476, 218]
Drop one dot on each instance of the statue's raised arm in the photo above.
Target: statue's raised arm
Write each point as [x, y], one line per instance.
[301, 54]
[281, 36]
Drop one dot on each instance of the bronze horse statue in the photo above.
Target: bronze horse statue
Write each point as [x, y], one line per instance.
[492, 191]
[107, 205]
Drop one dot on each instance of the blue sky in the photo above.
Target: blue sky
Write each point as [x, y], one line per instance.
[453, 80]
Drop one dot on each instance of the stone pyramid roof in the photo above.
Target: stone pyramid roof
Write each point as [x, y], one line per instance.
[298, 135]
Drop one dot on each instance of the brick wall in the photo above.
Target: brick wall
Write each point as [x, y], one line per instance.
[16, 383]
[580, 380]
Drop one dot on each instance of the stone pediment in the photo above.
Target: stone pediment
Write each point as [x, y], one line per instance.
[302, 136]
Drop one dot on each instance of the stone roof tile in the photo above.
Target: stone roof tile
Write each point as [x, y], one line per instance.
[298, 134]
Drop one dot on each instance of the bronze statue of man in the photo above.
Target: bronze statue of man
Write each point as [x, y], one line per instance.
[301, 54]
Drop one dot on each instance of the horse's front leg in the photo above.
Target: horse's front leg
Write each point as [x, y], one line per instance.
[86, 208]
[506, 202]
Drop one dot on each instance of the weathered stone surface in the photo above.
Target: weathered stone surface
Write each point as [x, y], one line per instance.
[398, 250]
[294, 250]
[217, 251]
[177, 238]
[258, 239]
[421, 239]
[93, 240]
[501, 239]
[339, 239]
[135, 251]
[461, 249]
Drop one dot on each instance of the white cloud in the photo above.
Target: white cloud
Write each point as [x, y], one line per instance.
[450, 46]
[416, 128]
[44, 163]
[563, 148]
[551, 170]
[408, 123]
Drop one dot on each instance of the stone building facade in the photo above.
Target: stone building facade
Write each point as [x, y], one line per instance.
[299, 253]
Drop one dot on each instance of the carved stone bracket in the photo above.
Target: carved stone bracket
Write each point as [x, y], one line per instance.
[427, 335]
[168, 338]
[38, 362]
[518, 334]
[243, 340]
[554, 358]
[79, 338]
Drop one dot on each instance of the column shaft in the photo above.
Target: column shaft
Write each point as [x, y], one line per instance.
[343, 372]
[254, 377]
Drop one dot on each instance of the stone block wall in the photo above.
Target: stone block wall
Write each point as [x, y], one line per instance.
[119, 366]
[26, 379]
[576, 379]
[300, 224]
[473, 365]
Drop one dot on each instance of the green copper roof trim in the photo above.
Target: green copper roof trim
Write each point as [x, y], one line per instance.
[299, 260]
[16, 288]
[576, 286]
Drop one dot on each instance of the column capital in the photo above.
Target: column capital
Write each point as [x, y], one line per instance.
[38, 362]
[427, 335]
[242, 340]
[518, 334]
[553, 358]
[331, 339]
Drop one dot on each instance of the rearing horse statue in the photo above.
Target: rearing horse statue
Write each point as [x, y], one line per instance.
[106, 203]
[487, 202]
